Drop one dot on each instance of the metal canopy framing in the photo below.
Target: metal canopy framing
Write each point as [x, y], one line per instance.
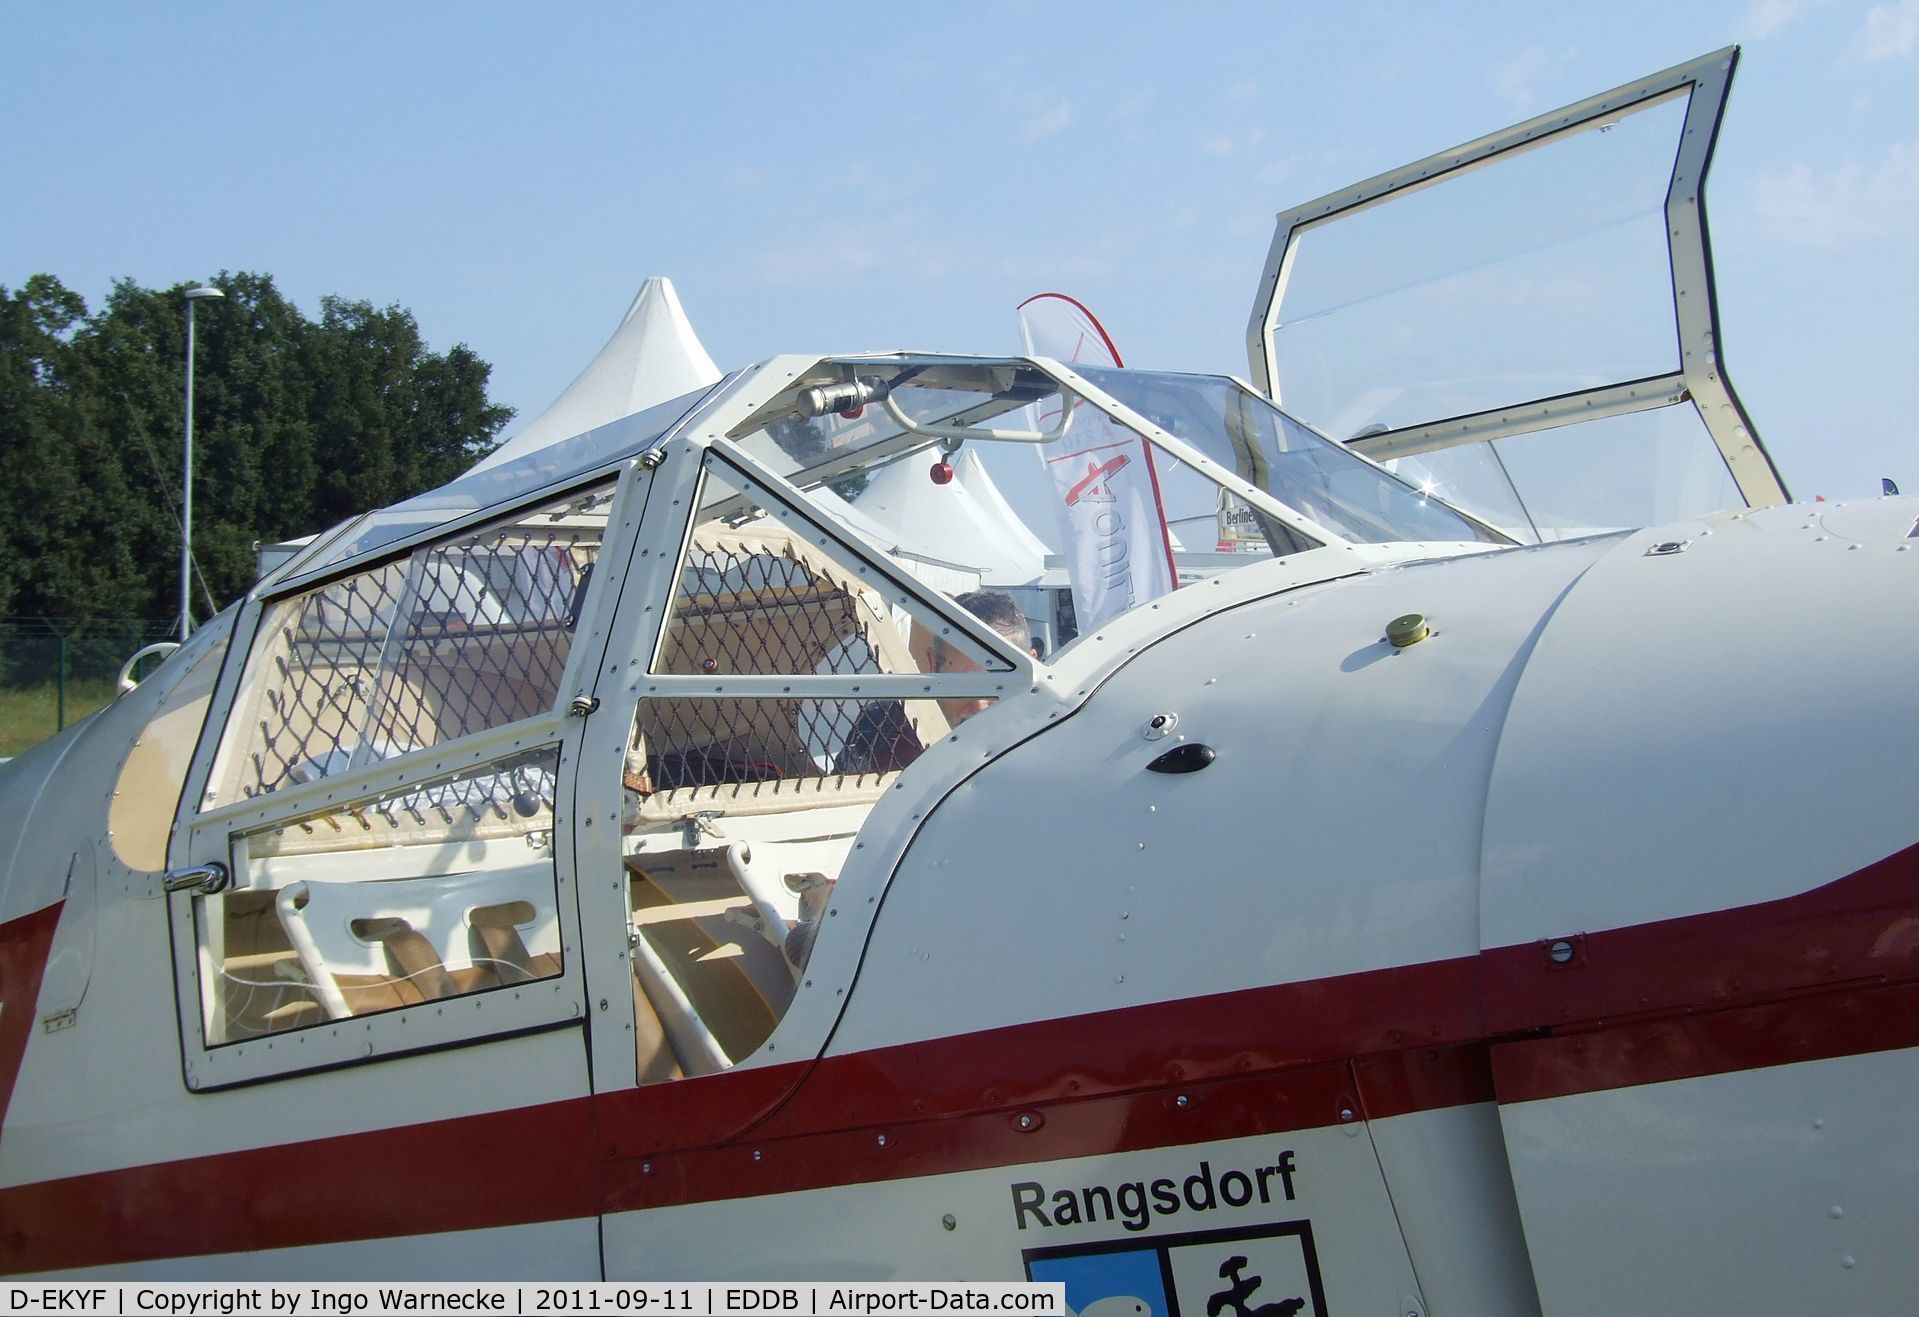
[1701, 378]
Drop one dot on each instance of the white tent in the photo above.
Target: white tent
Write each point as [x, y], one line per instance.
[964, 521]
[654, 355]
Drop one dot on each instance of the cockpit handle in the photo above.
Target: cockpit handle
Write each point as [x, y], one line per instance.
[1069, 404]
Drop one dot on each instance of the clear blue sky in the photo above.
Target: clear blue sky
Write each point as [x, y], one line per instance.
[860, 176]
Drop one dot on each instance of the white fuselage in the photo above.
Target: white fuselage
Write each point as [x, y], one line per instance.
[1558, 961]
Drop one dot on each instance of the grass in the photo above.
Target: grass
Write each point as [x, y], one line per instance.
[30, 714]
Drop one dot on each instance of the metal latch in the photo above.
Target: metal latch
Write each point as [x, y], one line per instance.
[701, 824]
[582, 705]
[207, 879]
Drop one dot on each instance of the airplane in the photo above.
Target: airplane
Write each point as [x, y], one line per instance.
[1461, 894]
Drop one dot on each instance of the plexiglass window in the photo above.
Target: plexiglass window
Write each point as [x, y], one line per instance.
[436, 890]
[1544, 275]
[1244, 433]
[461, 636]
[1642, 469]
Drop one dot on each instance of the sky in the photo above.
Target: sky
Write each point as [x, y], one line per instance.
[865, 177]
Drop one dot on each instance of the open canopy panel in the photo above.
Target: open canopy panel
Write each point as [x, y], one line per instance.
[1551, 275]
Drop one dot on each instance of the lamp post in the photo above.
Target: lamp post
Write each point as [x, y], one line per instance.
[196, 294]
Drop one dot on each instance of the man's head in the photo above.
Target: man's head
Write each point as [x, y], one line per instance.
[1001, 613]
[997, 611]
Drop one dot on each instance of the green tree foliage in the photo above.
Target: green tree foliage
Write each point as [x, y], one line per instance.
[65, 503]
[298, 425]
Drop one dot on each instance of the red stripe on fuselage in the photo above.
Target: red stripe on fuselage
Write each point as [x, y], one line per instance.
[1819, 1027]
[1304, 1097]
[1708, 994]
[1861, 928]
[24, 944]
[501, 1169]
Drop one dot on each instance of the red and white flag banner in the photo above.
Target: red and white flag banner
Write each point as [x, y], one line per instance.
[1104, 488]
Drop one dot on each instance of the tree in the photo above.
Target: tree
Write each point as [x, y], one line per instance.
[297, 426]
[35, 409]
[411, 419]
[69, 517]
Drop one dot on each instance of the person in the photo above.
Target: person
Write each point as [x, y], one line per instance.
[883, 738]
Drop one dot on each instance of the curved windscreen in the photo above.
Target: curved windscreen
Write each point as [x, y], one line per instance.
[497, 485]
[999, 475]
[1323, 482]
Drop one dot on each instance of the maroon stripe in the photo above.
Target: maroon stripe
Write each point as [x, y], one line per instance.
[1248, 1062]
[690, 1113]
[1846, 1022]
[1423, 1079]
[1862, 927]
[1226, 1035]
[1304, 1098]
[504, 1168]
[1381, 1043]
[24, 943]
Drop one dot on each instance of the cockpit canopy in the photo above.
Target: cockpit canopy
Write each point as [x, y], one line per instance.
[1231, 476]
[783, 591]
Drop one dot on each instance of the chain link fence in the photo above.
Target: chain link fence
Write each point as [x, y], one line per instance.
[56, 671]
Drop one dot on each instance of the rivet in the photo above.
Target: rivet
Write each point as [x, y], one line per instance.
[1026, 1122]
[1836, 1211]
[1848, 1262]
[756, 1154]
[949, 1221]
[1345, 1113]
[1561, 952]
[1182, 1101]
[882, 1140]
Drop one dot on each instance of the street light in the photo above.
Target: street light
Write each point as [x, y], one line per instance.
[195, 294]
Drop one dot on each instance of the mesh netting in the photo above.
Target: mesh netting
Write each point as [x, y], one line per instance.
[764, 603]
[699, 742]
[461, 636]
